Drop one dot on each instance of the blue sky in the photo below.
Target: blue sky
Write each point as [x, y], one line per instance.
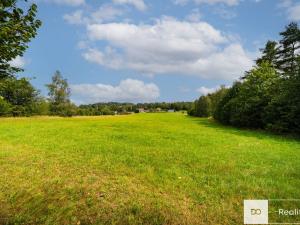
[145, 51]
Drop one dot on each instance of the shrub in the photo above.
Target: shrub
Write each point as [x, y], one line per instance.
[5, 107]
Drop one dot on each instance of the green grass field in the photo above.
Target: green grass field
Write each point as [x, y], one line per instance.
[139, 169]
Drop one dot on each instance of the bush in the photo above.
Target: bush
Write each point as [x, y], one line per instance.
[226, 105]
[65, 109]
[202, 107]
[5, 107]
[20, 94]
[106, 111]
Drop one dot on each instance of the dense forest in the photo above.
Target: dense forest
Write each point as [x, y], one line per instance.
[266, 97]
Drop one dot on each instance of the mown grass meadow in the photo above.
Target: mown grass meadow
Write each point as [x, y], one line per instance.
[165, 168]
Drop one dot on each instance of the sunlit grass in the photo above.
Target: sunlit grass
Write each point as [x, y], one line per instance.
[139, 169]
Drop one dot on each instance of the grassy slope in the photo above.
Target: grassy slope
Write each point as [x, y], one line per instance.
[146, 168]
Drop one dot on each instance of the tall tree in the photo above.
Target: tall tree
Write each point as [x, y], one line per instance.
[289, 46]
[203, 107]
[59, 96]
[216, 97]
[269, 54]
[16, 30]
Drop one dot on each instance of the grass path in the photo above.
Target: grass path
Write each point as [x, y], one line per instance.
[139, 169]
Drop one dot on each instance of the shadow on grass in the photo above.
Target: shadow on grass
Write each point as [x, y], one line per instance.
[256, 133]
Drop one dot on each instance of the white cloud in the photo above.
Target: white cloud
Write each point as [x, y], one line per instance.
[102, 14]
[205, 90]
[169, 46]
[105, 13]
[109, 57]
[68, 2]
[18, 62]
[138, 4]
[93, 55]
[210, 2]
[75, 17]
[128, 90]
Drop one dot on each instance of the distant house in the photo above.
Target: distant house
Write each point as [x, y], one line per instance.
[171, 110]
[158, 109]
[141, 110]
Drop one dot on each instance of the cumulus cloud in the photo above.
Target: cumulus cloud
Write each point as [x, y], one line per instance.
[205, 90]
[168, 46]
[75, 17]
[210, 2]
[138, 4]
[128, 90]
[109, 58]
[18, 62]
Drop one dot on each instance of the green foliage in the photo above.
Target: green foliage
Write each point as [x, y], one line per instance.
[206, 106]
[5, 107]
[287, 53]
[248, 101]
[41, 107]
[216, 97]
[267, 96]
[107, 111]
[59, 94]
[20, 94]
[126, 108]
[245, 103]
[282, 113]
[226, 105]
[16, 30]
[269, 54]
[202, 107]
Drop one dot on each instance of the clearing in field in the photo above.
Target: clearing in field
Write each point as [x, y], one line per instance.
[139, 169]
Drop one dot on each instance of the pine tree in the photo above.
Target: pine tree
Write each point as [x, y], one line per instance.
[289, 45]
[269, 54]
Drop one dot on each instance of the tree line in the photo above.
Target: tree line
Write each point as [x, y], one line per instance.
[112, 108]
[267, 96]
